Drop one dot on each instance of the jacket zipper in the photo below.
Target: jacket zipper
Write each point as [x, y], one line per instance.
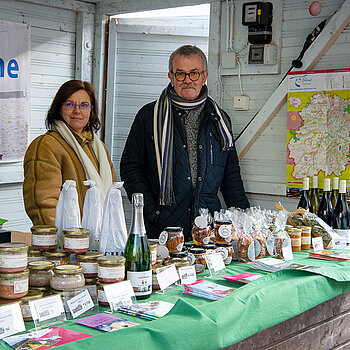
[211, 149]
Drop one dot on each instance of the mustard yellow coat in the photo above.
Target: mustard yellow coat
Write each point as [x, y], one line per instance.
[48, 163]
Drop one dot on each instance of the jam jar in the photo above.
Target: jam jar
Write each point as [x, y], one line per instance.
[67, 277]
[172, 238]
[24, 304]
[76, 240]
[14, 285]
[44, 237]
[226, 251]
[88, 262]
[101, 295]
[305, 237]
[201, 232]
[183, 255]
[35, 254]
[197, 258]
[13, 257]
[223, 231]
[111, 268]
[40, 273]
[58, 257]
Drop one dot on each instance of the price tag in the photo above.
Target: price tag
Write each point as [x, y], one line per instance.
[317, 244]
[340, 242]
[46, 308]
[121, 293]
[167, 277]
[187, 274]
[215, 262]
[11, 320]
[287, 252]
[80, 304]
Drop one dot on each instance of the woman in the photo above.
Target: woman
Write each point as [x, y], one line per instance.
[69, 150]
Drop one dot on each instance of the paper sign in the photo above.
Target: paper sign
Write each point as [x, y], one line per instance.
[167, 277]
[340, 243]
[121, 293]
[215, 262]
[11, 320]
[80, 304]
[317, 244]
[187, 274]
[46, 308]
[287, 252]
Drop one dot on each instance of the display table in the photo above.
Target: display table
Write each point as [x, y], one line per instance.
[196, 323]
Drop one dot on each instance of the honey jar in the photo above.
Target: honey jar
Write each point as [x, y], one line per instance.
[172, 238]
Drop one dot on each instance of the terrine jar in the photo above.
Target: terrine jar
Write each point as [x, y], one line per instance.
[40, 273]
[14, 285]
[76, 240]
[35, 254]
[88, 262]
[44, 237]
[101, 295]
[24, 304]
[111, 268]
[67, 277]
[58, 257]
[13, 257]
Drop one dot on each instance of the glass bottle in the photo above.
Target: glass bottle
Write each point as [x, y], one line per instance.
[335, 191]
[304, 201]
[314, 195]
[325, 209]
[138, 264]
[341, 214]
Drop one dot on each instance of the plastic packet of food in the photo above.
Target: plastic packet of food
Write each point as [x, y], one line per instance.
[201, 230]
[245, 244]
[258, 233]
[282, 239]
[319, 229]
[223, 227]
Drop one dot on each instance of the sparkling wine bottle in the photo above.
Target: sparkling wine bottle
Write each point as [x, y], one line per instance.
[341, 214]
[335, 191]
[304, 201]
[325, 209]
[314, 195]
[138, 264]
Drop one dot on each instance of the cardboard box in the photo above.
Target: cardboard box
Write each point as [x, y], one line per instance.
[22, 237]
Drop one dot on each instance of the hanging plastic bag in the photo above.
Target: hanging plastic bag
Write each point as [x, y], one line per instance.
[113, 232]
[92, 214]
[67, 210]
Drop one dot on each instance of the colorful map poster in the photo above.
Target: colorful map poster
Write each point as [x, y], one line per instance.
[318, 126]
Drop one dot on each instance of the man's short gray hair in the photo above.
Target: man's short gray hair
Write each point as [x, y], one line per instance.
[188, 50]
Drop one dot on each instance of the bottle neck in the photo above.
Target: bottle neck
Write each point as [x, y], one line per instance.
[137, 223]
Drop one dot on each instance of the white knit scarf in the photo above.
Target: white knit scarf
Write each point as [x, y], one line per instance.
[103, 179]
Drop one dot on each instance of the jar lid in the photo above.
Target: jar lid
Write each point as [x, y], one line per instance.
[88, 255]
[210, 246]
[173, 229]
[189, 244]
[177, 262]
[42, 229]
[181, 254]
[55, 254]
[112, 259]
[197, 250]
[32, 295]
[223, 222]
[42, 289]
[13, 246]
[76, 231]
[223, 245]
[41, 265]
[153, 245]
[34, 252]
[91, 281]
[68, 269]
[6, 276]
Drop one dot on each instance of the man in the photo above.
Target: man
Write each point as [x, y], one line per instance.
[180, 150]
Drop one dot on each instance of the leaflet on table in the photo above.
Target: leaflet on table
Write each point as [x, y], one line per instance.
[44, 339]
[149, 310]
[106, 323]
[244, 277]
[207, 289]
[272, 265]
[11, 320]
[330, 255]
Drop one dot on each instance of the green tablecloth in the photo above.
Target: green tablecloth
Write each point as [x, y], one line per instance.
[196, 323]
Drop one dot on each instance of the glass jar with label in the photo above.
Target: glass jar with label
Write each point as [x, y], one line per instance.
[44, 237]
[183, 255]
[24, 304]
[111, 268]
[35, 254]
[209, 248]
[101, 295]
[14, 285]
[226, 251]
[223, 231]
[201, 235]
[197, 258]
[158, 267]
[177, 262]
[67, 277]
[58, 257]
[153, 246]
[40, 273]
[76, 240]
[13, 257]
[88, 262]
[172, 238]
[305, 237]
[295, 236]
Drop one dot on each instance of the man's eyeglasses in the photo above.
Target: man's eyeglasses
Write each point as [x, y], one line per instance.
[181, 76]
[71, 106]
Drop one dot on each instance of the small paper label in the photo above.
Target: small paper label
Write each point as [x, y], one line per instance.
[44, 240]
[287, 252]
[223, 251]
[225, 231]
[317, 244]
[340, 243]
[179, 247]
[13, 261]
[117, 294]
[46, 308]
[76, 243]
[11, 320]
[163, 237]
[200, 221]
[215, 262]
[206, 240]
[187, 274]
[20, 286]
[167, 277]
[80, 304]
[89, 267]
[270, 244]
[191, 258]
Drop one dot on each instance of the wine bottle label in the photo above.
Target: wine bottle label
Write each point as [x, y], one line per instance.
[345, 234]
[141, 281]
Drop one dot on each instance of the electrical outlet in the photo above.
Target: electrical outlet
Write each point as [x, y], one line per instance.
[241, 103]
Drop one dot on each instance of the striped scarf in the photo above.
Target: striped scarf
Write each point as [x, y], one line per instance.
[163, 132]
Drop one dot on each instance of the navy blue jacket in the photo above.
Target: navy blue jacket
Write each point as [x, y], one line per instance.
[216, 170]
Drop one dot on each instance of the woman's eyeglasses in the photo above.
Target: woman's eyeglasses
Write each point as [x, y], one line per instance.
[71, 106]
[181, 76]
